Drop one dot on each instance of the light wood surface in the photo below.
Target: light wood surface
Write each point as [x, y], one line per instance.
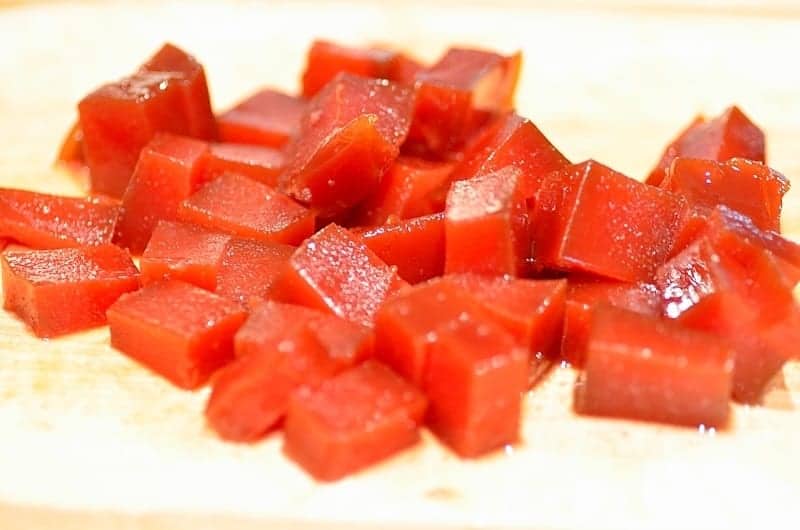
[89, 440]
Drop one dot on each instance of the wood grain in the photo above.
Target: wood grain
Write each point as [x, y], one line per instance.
[89, 440]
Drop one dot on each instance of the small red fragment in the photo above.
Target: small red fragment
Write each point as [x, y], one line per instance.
[169, 170]
[486, 224]
[352, 421]
[66, 290]
[42, 221]
[184, 252]
[246, 208]
[589, 218]
[336, 272]
[268, 118]
[474, 378]
[641, 367]
[179, 331]
[729, 135]
[414, 246]
[350, 135]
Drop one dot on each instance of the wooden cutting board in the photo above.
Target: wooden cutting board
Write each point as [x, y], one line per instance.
[89, 440]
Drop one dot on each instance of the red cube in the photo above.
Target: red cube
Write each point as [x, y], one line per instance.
[486, 224]
[406, 325]
[268, 118]
[454, 96]
[192, 82]
[640, 367]
[120, 118]
[350, 135]
[352, 421]
[750, 188]
[414, 246]
[751, 303]
[532, 311]
[186, 252]
[66, 290]
[280, 348]
[729, 135]
[583, 296]
[474, 379]
[249, 269]
[181, 332]
[170, 168]
[512, 141]
[259, 163]
[327, 59]
[246, 208]
[589, 218]
[44, 221]
[410, 188]
[334, 271]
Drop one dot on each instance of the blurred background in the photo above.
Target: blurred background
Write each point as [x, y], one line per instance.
[609, 79]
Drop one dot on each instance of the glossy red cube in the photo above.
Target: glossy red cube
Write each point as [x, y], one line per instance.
[335, 271]
[583, 296]
[179, 331]
[415, 246]
[119, 119]
[407, 323]
[750, 188]
[729, 135]
[44, 221]
[352, 421]
[640, 367]
[486, 224]
[263, 164]
[246, 208]
[474, 379]
[454, 95]
[66, 290]
[589, 218]
[184, 252]
[410, 188]
[170, 168]
[532, 311]
[327, 59]
[193, 85]
[512, 141]
[249, 269]
[268, 118]
[350, 135]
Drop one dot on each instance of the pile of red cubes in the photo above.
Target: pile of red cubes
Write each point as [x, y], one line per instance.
[396, 247]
